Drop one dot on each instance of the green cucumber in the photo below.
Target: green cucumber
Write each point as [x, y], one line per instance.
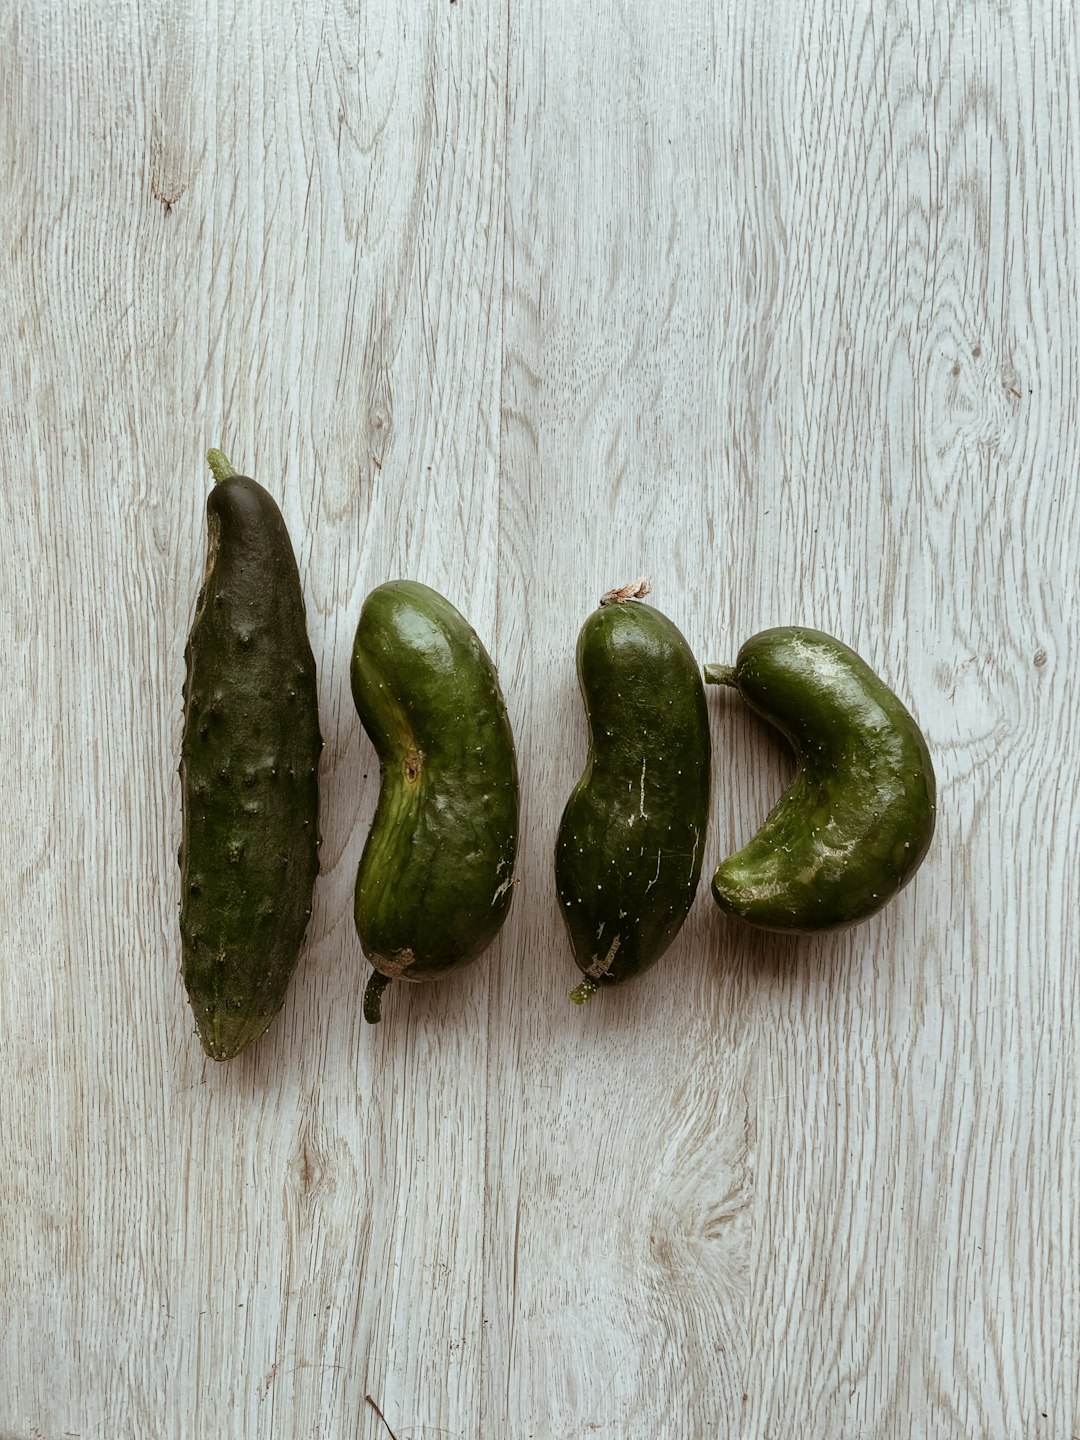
[248, 771]
[856, 821]
[436, 876]
[631, 840]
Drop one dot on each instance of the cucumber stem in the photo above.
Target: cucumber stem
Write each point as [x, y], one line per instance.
[583, 993]
[219, 464]
[721, 675]
[373, 997]
[636, 590]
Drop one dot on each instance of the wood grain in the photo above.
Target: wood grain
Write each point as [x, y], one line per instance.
[774, 304]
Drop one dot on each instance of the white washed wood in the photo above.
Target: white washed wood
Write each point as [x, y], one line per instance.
[775, 304]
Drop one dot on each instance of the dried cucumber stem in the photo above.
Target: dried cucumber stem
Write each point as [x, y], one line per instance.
[635, 590]
[720, 675]
[373, 997]
[583, 993]
[220, 466]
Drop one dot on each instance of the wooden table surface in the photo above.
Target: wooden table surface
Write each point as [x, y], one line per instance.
[775, 304]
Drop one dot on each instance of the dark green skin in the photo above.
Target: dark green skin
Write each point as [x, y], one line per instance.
[630, 845]
[436, 877]
[248, 771]
[853, 826]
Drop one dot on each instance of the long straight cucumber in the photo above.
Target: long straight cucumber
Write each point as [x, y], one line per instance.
[248, 771]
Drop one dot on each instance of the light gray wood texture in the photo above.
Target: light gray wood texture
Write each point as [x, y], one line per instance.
[776, 304]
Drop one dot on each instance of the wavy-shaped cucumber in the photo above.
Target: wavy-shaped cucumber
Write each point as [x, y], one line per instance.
[856, 821]
[630, 845]
[436, 876]
[248, 771]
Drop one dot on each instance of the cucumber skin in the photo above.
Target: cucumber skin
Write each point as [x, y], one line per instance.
[436, 877]
[855, 823]
[621, 874]
[248, 770]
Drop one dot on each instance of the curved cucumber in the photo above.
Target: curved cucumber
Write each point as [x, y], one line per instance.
[436, 876]
[248, 771]
[630, 844]
[853, 826]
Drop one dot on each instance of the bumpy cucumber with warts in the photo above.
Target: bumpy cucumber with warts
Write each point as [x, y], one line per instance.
[248, 770]
[853, 826]
[436, 877]
[629, 849]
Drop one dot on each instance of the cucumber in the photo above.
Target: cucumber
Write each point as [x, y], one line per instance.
[248, 771]
[436, 876]
[856, 821]
[630, 844]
